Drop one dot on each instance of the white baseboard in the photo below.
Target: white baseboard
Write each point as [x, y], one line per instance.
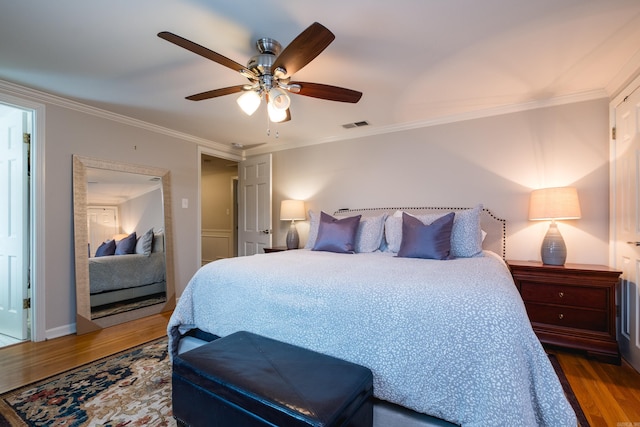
[60, 331]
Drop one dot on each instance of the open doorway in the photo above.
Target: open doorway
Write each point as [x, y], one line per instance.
[218, 208]
[16, 130]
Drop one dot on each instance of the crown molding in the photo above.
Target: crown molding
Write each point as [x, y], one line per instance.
[471, 115]
[225, 151]
[19, 91]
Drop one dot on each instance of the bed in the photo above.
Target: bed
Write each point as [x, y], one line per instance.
[117, 278]
[448, 340]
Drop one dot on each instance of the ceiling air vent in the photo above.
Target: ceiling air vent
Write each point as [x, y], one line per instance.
[356, 124]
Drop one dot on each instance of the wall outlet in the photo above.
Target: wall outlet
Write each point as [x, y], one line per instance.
[185, 203]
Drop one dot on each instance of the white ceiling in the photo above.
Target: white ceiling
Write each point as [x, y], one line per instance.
[416, 61]
[107, 187]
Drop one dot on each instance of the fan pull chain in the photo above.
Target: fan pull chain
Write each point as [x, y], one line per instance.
[269, 128]
[268, 125]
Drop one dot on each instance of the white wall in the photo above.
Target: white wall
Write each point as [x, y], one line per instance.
[142, 213]
[71, 132]
[496, 161]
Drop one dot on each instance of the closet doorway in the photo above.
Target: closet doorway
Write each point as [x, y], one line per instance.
[218, 208]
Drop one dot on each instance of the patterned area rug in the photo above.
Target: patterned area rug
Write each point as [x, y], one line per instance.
[132, 388]
[121, 307]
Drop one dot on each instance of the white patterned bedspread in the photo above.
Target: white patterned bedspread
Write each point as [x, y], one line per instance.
[446, 338]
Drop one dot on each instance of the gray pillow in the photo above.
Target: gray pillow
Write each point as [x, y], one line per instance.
[431, 241]
[337, 235]
[145, 243]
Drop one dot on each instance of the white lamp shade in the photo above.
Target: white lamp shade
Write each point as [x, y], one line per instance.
[554, 203]
[249, 102]
[276, 115]
[279, 99]
[291, 210]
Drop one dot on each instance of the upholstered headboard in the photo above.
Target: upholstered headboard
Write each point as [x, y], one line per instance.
[495, 239]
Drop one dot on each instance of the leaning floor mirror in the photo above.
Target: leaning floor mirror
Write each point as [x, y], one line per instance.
[123, 242]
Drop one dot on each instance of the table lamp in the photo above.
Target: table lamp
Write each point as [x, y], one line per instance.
[554, 204]
[292, 210]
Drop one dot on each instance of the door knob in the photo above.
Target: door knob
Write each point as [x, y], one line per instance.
[266, 231]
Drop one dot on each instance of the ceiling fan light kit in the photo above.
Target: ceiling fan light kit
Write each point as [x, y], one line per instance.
[269, 72]
[249, 102]
[276, 115]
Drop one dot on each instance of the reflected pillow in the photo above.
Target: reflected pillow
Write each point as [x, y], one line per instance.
[158, 242]
[145, 243]
[106, 248]
[126, 245]
[337, 235]
[431, 241]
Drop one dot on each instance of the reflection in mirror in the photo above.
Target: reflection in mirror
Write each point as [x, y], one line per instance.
[123, 250]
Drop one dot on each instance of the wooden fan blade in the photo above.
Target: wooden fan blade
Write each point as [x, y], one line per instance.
[215, 93]
[207, 53]
[332, 93]
[309, 44]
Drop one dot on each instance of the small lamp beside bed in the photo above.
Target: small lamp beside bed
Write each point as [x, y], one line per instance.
[552, 204]
[292, 210]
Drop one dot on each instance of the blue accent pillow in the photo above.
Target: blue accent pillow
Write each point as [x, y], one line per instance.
[337, 235]
[106, 248]
[431, 241]
[126, 245]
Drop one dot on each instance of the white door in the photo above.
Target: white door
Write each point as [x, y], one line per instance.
[102, 224]
[254, 205]
[627, 224]
[14, 225]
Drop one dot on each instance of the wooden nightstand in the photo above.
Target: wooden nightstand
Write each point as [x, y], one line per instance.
[571, 306]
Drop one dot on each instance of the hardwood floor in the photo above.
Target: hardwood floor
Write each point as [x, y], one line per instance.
[609, 395]
[27, 362]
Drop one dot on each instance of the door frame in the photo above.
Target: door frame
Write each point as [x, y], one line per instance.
[634, 85]
[214, 153]
[37, 214]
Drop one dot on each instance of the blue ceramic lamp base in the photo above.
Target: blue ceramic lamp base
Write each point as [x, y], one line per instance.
[553, 250]
[293, 241]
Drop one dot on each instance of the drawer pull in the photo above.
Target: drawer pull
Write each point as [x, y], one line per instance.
[560, 294]
[560, 316]
[634, 243]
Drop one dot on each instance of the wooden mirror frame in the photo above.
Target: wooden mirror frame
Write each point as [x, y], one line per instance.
[84, 323]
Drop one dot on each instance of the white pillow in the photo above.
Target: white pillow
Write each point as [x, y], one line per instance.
[370, 233]
[466, 236]
[314, 223]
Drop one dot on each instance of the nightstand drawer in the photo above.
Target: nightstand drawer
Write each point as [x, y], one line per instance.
[565, 295]
[570, 317]
[571, 305]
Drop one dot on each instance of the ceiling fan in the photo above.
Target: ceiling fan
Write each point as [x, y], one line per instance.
[270, 71]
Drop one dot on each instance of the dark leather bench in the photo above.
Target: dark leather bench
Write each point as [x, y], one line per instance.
[246, 379]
